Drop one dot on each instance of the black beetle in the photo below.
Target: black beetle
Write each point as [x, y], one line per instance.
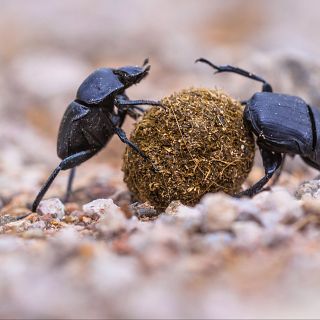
[91, 120]
[282, 124]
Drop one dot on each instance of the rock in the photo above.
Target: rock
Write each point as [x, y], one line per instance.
[190, 219]
[33, 233]
[112, 220]
[16, 226]
[277, 206]
[220, 211]
[247, 233]
[100, 207]
[7, 218]
[309, 189]
[39, 225]
[173, 207]
[311, 205]
[218, 240]
[53, 207]
[277, 235]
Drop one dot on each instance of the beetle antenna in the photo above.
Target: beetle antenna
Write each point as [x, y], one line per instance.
[145, 62]
[147, 68]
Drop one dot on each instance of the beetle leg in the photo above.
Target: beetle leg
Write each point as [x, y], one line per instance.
[69, 185]
[67, 163]
[278, 172]
[122, 135]
[120, 102]
[266, 87]
[271, 162]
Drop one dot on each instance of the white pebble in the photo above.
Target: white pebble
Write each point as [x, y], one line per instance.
[53, 206]
[100, 207]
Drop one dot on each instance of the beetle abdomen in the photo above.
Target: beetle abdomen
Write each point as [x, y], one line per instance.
[281, 122]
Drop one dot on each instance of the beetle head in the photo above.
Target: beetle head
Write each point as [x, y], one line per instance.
[130, 75]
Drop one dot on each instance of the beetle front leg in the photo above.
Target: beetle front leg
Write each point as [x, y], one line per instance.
[266, 87]
[122, 102]
[122, 135]
[271, 162]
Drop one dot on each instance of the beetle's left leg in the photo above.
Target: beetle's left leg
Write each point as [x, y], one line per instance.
[69, 185]
[271, 162]
[121, 101]
[266, 87]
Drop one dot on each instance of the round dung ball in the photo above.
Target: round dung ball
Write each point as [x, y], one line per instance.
[196, 143]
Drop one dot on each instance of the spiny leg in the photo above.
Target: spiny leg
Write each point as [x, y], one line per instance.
[277, 175]
[122, 135]
[65, 164]
[69, 185]
[122, 102]
[266, 87]
[271, 162]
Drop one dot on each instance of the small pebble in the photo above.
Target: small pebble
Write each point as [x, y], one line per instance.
[100, 207]
[308, 189]
[220, 211]
[53, 207]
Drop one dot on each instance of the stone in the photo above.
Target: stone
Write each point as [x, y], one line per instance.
[220, 211]
[100, 207]
[53, 207]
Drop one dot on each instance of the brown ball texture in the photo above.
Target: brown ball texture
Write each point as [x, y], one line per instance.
[198, 144]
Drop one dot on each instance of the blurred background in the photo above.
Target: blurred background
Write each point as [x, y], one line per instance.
[48, 48]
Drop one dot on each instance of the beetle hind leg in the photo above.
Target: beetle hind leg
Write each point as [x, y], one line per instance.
[278, 172]
[69, 185]
[271, 162]
[67, 163]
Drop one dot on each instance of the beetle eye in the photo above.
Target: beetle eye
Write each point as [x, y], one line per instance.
[122, 74]
[118, 72]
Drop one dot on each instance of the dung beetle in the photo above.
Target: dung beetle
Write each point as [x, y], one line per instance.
[283, 124]
[91, 119]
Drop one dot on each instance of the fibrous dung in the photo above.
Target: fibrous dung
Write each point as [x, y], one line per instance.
[196, 143]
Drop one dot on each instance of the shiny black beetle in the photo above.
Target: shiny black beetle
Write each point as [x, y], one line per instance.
[91, 119]
[282, 124]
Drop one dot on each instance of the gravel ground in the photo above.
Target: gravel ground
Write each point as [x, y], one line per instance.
[103, 256]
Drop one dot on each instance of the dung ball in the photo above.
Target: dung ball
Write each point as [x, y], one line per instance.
[196, 143]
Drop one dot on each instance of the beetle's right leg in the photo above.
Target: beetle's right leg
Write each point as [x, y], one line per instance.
[278, 172]
[271, 162]
[67, 163]
[266, 87]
